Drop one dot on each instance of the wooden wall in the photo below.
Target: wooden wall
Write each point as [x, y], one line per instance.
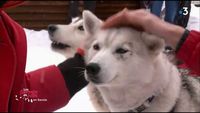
[39, 14]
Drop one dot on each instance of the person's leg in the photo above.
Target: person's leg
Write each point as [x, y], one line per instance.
[171, 8]
[155, 7]
[73, 9]
[90, 5]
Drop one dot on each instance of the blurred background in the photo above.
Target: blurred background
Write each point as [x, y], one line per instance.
[39, 14]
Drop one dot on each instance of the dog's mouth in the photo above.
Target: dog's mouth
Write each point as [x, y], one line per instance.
[94, 80]
[59, 45]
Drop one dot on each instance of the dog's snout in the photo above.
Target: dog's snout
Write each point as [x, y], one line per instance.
[92, 69]
[51, 28]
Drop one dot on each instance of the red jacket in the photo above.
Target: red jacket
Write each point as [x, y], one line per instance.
[47, 82]
[189, 52]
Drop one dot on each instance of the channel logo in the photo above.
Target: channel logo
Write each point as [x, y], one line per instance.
[184, 11]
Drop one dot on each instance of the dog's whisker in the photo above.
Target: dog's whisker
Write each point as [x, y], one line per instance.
[82, 72]
[79, 67]
[80, 75]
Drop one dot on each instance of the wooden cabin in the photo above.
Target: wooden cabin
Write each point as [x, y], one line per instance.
[39, 14]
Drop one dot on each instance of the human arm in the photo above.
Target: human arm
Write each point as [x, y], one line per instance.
[50, 85]
[189, 52]
[57, 84]
[48, 82]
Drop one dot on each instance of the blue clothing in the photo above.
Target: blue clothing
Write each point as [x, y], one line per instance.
[171, 8]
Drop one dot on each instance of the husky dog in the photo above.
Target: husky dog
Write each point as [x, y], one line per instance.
[67, 38]
[128, 72]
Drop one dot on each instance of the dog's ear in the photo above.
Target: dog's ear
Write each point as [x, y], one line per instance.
[90, 22]
[153, 43]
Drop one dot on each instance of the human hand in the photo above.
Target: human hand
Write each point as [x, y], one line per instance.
[145, 21]
[138, 19]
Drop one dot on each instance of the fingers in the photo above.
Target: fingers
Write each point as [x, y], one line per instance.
[116, 20]
[126, 17]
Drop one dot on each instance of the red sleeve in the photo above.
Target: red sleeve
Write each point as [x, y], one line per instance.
[13, 3]
[50, 85]
[189, 52]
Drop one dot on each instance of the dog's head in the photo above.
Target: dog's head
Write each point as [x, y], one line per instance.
[67, 36]
[119, 55]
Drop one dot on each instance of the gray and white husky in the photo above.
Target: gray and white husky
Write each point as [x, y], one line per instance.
[128, 72]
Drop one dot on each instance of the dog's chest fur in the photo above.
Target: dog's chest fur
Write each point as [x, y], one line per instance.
[120, 99]
[189, 99]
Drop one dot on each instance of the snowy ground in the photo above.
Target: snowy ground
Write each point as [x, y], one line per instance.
[40, 55]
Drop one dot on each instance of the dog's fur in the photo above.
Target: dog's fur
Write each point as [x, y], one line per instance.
[132, 69]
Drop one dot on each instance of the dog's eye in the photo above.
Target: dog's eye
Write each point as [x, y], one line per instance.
[121, 51]
[81, 28]
[96, 47]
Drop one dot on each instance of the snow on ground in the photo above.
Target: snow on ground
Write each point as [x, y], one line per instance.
[40, 55]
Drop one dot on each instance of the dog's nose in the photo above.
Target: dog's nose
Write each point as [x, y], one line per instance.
[92, 69]
[51, 28]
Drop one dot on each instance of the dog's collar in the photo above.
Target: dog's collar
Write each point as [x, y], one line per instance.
[142, 107]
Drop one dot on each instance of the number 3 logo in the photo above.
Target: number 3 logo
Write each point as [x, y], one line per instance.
[185, 10]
